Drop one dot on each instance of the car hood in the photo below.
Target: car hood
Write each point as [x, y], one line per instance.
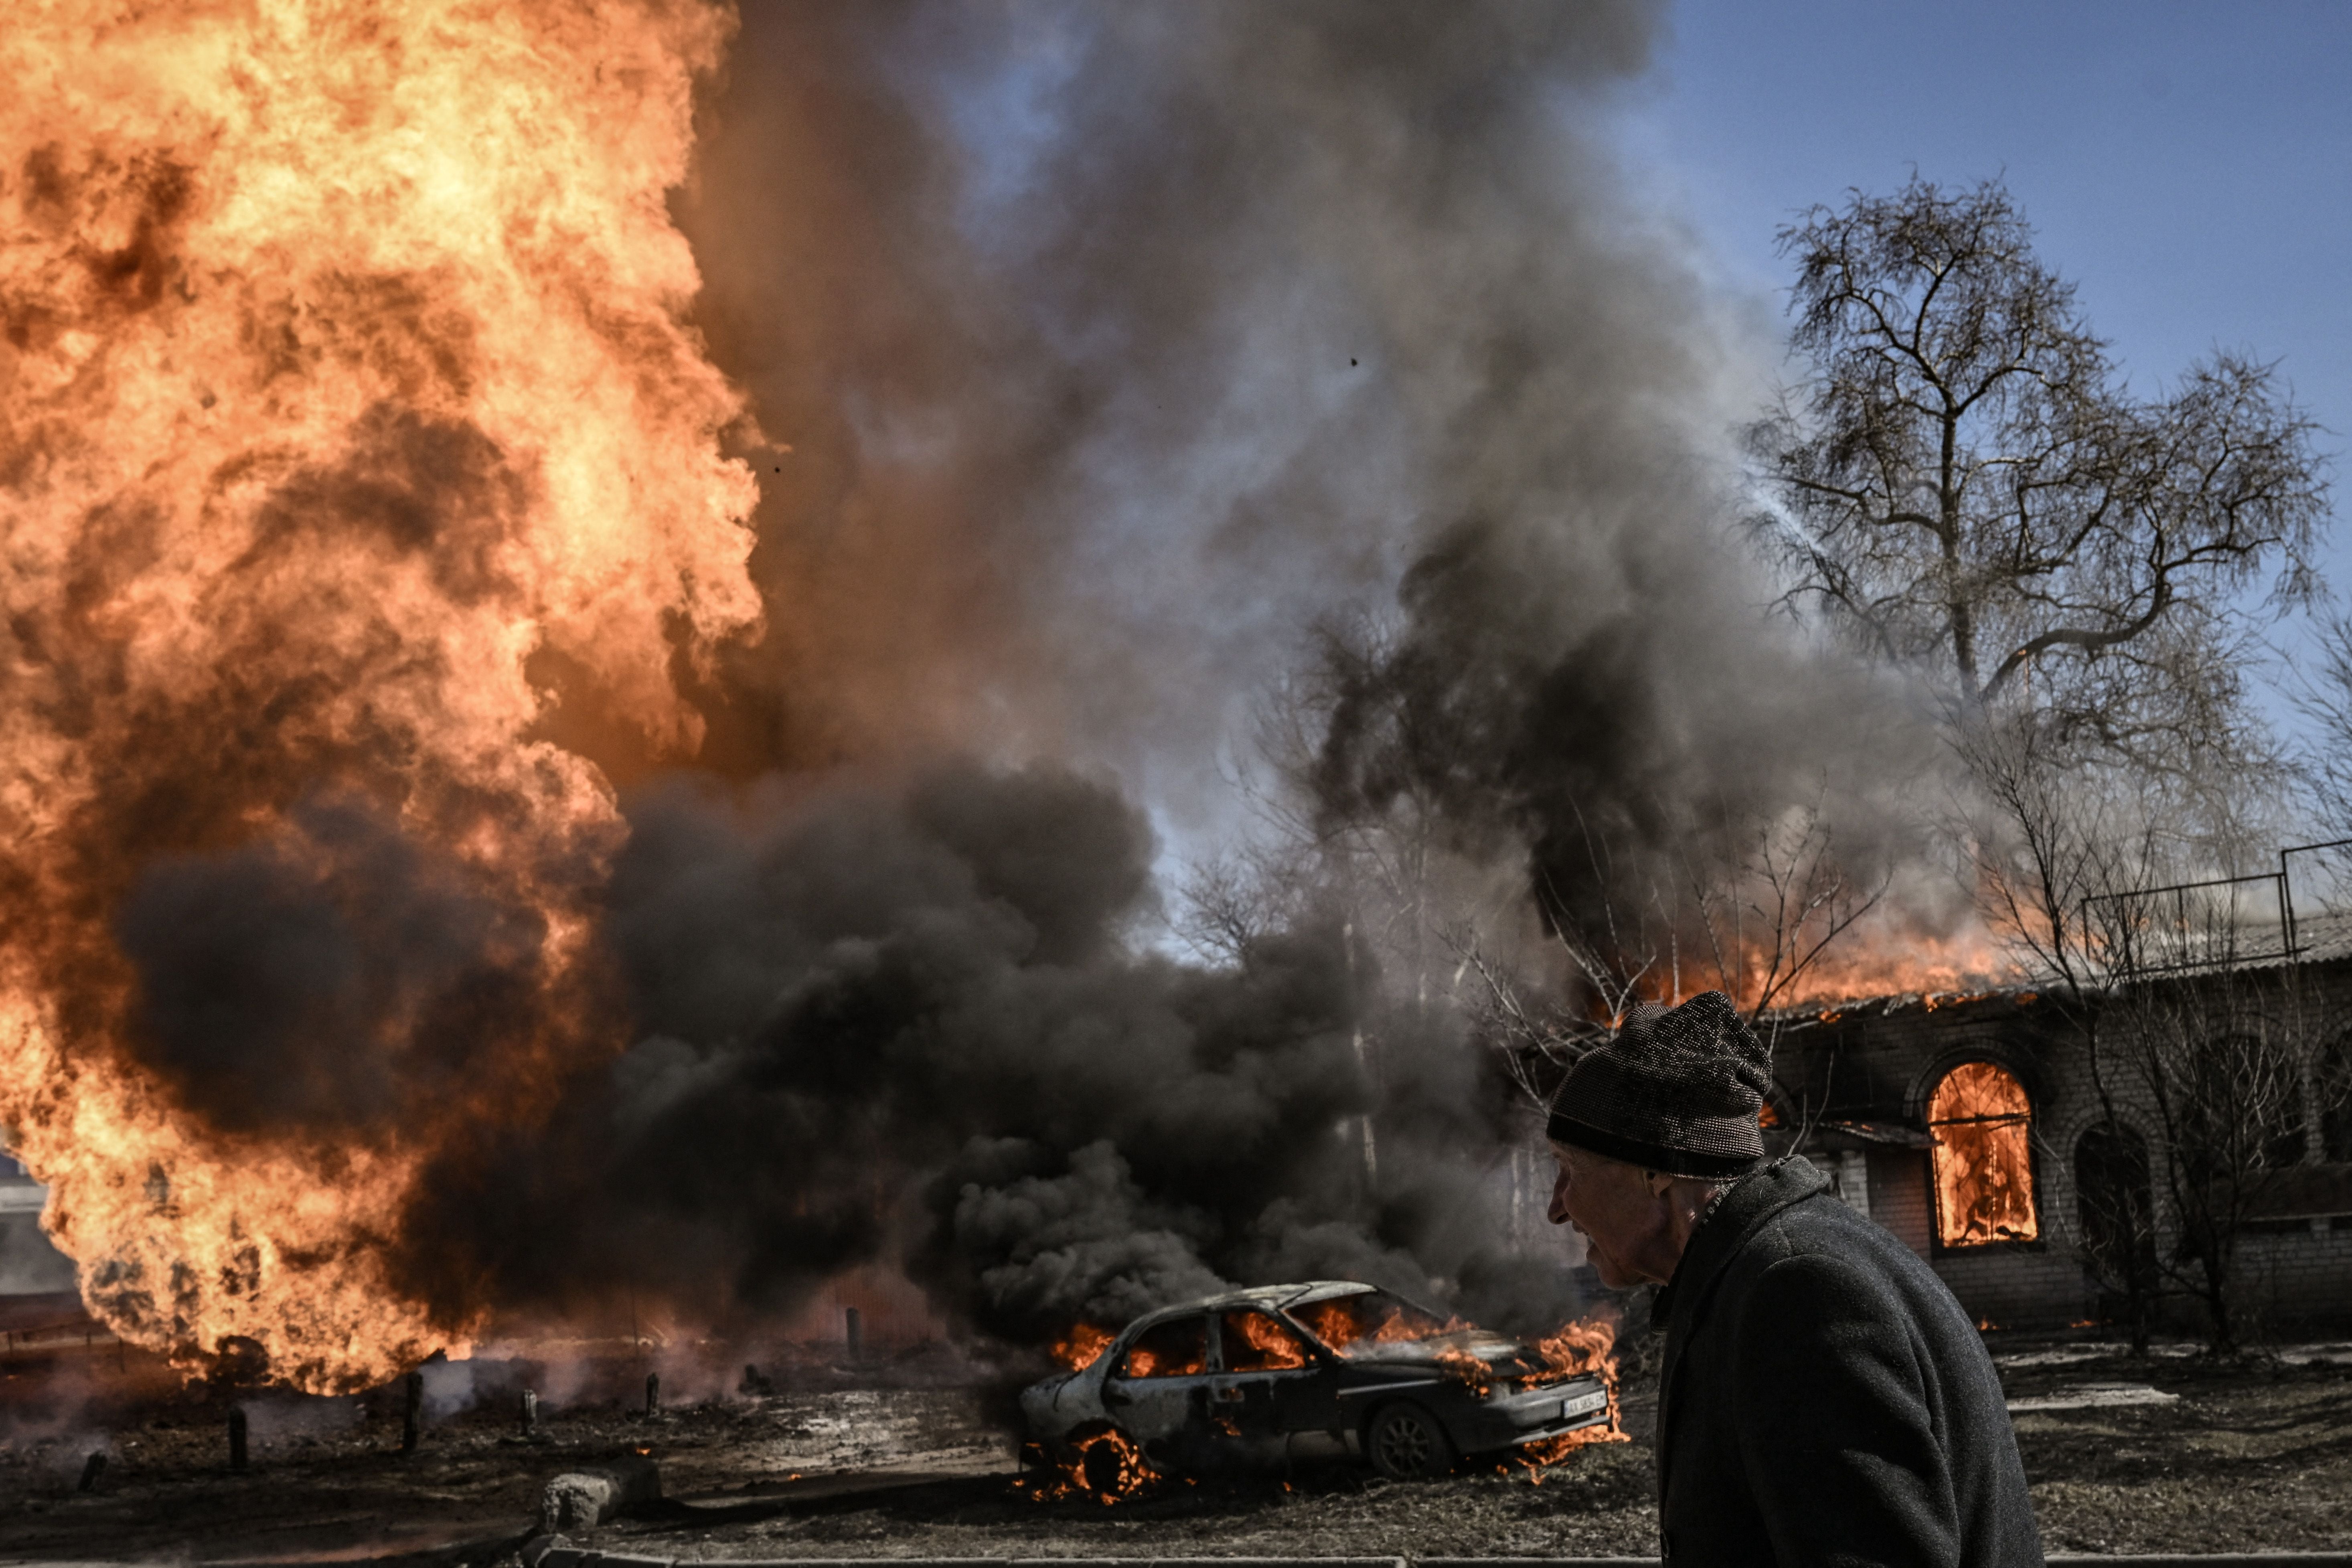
[1438, 1348]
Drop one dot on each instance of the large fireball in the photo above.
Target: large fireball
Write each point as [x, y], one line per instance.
[344, 394]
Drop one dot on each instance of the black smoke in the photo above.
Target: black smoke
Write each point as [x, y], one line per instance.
[330, 980]
[900, 1019]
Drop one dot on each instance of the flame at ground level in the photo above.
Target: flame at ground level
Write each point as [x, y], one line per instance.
[1589, 1345]
[1104, 1465]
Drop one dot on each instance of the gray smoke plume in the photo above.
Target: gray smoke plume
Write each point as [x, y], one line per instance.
[1118, 347]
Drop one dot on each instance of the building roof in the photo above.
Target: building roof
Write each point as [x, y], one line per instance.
[2322, 937]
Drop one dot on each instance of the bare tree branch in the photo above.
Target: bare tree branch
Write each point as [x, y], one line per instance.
[1966, 486]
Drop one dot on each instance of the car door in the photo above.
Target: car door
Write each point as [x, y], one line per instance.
[1270, 1380]
[1162, 1382]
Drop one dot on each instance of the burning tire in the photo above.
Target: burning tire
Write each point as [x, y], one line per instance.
[1105, 1469]
[1103, 1463]
[1406, 1441]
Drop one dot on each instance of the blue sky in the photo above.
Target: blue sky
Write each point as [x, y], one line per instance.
[2188, 165]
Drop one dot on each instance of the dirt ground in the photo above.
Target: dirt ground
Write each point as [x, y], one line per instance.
[2174, 1453]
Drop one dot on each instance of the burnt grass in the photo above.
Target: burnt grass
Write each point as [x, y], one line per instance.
[2254, 1454]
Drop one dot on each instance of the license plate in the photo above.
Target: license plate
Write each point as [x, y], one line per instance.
[1584, 1405]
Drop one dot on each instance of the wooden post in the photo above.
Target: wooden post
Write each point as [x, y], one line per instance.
[412, 1409]
[530, 1413]
[653, 1394]
[236, 1436]
[853, 1331]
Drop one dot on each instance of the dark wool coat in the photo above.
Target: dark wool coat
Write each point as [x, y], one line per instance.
[1824, 1399]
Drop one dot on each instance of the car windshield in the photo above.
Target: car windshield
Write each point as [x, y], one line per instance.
[1359, 1324]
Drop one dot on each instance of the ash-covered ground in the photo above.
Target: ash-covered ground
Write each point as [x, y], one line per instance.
[896, 1458]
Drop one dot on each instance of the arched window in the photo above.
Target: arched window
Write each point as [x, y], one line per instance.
[1982, 1125]
[2114, 1209]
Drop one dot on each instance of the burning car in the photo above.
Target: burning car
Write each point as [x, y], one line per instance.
[1329, 1366]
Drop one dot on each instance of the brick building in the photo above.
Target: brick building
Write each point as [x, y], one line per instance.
[1973, 1128]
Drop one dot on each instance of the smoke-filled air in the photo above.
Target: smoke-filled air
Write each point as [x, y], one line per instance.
[620, 622]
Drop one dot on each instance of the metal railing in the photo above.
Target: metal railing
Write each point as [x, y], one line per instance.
[2216, 923]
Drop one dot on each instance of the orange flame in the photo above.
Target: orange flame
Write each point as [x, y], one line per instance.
[1104, 1466]
[1577, 1348]
[347, 391]
[1586, 1346]
[1881, 955]
[1480, 1375]
[1078, 1349]
[1983, 1157]
[1340, 1323]
[1145, 1360]
[1255, 1342]
[1873, 960]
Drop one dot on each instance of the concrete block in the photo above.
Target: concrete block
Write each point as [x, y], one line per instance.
[586, 1498]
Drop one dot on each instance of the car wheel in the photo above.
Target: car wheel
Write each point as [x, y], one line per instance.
[1406, 1441]
[1100, 1465]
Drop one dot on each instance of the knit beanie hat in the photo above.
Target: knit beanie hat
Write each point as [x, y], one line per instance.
[1677, 1091]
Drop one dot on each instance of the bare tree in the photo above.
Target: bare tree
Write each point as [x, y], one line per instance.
[2059, 836]
[1229, 903]
[1788, 899]
[2080, 866]
[1751, 906]
[1380, 857]
[2220, 1070]
[1393, 869]
[1967, 485]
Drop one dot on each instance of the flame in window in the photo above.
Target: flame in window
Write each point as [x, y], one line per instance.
[1984, 1161]
[1350, 1323]
[1178, 1348]
[1255, 1342]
